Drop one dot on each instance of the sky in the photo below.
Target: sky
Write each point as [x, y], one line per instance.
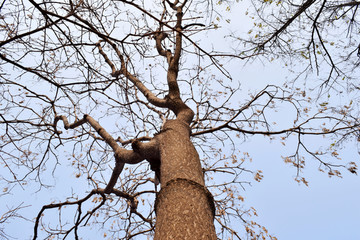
[328, 209]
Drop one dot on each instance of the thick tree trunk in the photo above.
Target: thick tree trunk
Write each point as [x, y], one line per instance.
[184, 207]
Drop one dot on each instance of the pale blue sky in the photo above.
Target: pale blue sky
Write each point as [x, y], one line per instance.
[329, 209]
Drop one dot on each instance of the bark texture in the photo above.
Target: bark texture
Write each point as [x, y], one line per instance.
[184, 207]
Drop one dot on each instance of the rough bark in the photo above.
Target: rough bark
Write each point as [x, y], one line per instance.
[184, 207]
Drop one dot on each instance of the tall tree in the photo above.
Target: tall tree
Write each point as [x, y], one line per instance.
[125, 88]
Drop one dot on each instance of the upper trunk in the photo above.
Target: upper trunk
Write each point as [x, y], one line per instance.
[184, 207]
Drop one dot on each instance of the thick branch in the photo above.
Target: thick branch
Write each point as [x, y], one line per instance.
[123, 70]
[178, 40]
[151, 152]
[122, 155]
[143, 89]
[159, 37]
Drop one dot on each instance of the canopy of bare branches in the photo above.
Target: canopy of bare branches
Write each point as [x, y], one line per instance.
[87, 88]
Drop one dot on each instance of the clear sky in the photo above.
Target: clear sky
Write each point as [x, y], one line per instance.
[328, 209]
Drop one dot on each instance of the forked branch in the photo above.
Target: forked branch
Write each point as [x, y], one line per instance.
[123, 71]
[84, 218]
[122, 155]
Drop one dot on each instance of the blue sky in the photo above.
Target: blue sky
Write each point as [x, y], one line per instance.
[329, 209]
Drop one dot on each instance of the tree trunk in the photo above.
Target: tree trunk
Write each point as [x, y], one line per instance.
[184, 207]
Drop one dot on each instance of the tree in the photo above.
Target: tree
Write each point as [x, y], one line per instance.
[130, 87]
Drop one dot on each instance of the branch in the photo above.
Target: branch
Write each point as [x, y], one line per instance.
[159, 37]
[151, 97]
[122, 155]
[178, 39]
[88, 214]
[33, 71]
[302, 9]
[59, 205]
[297, 129]
[179, 31]
[348, 4]
[48, 25]
[225, 125]
[107, 60]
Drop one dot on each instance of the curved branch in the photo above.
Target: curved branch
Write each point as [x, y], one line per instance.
[122, 155]
[88, 214]
[59, 205]
[151, 97]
